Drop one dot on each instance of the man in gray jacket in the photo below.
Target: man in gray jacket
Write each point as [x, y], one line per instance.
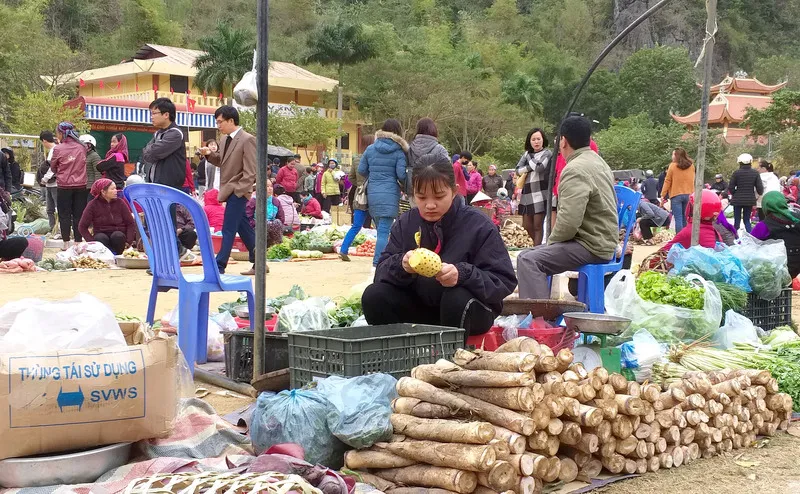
[167, 150]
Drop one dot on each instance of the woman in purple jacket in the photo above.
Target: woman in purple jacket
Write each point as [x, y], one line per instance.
[476, 274]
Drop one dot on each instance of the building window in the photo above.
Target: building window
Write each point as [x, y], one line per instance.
[179, 83]
[346, 141]
[346, 103]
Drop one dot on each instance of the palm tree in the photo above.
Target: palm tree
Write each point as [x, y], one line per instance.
[339, 44]
[525, 92]
[228, 55]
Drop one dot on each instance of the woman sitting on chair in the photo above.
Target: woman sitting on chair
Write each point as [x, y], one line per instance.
[709, 225]
[110, 219]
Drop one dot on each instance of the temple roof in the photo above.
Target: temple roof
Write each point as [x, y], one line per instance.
[726, 108]
[733, 85]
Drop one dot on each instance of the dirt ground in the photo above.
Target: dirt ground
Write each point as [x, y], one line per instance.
[778, 464]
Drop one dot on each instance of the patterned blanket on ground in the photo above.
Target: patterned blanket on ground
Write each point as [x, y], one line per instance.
[201, 441]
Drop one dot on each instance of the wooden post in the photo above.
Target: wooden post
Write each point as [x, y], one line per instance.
[262, 159]
[708, 61]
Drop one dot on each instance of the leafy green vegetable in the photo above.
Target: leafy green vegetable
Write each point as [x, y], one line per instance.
[673, 290]
[360, 239]
[732, 297]
[296, 293]
[279, 251]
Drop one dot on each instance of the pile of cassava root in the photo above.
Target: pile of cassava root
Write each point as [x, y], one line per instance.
[514, 419]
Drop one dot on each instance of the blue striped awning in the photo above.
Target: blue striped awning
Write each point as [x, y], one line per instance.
[124, 114]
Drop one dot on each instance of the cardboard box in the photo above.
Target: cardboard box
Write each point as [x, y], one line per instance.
[75, 399]
[133, 331]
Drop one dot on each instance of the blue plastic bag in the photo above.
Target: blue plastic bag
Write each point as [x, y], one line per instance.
[360, 408]
[718, 265]
[298, 416]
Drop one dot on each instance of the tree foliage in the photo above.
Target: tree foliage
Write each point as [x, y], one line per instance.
[295, 126]
[658, 81]
[228, 55]
[636, 142]
[782, 114]
[43, 110]
[340, 43]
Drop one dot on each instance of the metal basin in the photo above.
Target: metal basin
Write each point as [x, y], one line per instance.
[587, 322]
[71, 468]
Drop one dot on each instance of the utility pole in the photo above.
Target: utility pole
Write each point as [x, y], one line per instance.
[707, 56]
[262, 158]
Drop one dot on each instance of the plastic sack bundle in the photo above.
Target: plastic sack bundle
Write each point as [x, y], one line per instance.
[361, 408]
[641, 353]
[766, 263]
[40, 325]
[95, 250]
[304, 315]
[737, 329]
[667, 324]
[298, 416]
[718, 265]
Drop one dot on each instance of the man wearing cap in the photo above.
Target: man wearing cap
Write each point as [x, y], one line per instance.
[720, 186]
[650, 187]
[745, 187]
[492, 182]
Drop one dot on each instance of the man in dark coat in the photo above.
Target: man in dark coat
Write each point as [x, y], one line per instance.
[745, 187]
[650, 187]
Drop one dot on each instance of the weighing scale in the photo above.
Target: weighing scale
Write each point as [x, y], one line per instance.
[600, 327]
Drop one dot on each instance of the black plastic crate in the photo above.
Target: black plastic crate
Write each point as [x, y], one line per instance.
[350, 352]
[769, 314]
[239, 354]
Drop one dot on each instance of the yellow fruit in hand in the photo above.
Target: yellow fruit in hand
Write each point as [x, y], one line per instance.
[425, 262]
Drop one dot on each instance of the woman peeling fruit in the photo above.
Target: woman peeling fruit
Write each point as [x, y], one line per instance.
[445, 263]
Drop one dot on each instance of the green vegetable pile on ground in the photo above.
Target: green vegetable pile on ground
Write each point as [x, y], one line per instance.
[51, 264]
[360, 239]
[672, 290]
[732, 297]
[279, 251]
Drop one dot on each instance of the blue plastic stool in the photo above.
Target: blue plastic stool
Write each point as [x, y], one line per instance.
[161, 247]
[591, 277]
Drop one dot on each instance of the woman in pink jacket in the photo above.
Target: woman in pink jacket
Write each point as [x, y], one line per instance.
[474, 182]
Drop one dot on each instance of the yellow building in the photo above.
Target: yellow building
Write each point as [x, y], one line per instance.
[115, 99]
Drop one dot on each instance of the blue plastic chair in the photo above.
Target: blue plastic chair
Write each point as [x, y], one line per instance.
[162, 252]
[591, 279]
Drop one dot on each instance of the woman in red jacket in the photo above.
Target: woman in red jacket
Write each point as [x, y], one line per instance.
[110, 219]
[311, 206]
[709, 211]
[215, 212]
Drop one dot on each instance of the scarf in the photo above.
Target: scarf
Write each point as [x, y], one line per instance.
[272, 209]
[68, 130]
[121, 148]
[99, 186]
[775, 203]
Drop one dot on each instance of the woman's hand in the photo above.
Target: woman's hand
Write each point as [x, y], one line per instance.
[406, 266]
[448, 276]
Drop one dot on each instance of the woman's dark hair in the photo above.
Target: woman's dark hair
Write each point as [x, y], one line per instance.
[762, 164]
[439, 175]
[164, 105]
[682, 159]
[393, 126]
[119, 137]
[308, 169]
[209, 141]
[427, 127]
[545, 142]
[10, 153]
[278, 190]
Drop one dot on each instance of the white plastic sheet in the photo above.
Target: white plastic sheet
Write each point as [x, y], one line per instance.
[40, 325]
